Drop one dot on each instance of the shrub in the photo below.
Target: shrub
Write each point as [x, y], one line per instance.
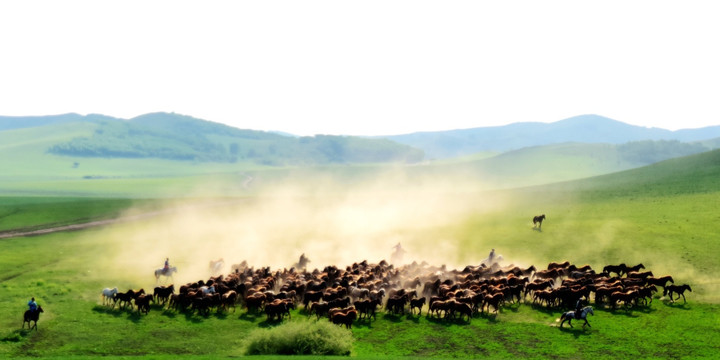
[304, 338]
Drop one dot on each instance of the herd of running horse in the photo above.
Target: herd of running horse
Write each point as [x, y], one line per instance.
[357, 292]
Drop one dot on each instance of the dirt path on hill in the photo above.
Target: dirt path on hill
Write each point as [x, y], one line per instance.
[23, 233]
[72, 227]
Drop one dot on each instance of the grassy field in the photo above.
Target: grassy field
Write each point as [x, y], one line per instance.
[53, 269]
[663, 216]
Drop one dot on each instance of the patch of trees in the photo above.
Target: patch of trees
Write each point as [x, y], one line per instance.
[173, 137]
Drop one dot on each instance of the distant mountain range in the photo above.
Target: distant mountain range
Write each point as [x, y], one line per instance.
[179, 137]
[584, 129]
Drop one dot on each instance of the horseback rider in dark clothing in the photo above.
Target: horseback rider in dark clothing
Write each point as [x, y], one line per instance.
[578, 307]
[32, 305]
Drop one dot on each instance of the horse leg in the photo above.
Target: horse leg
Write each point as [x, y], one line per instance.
[683, 295]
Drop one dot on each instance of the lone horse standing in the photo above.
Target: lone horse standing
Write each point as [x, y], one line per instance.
[570, 315]
[537, 221]
[31, 315]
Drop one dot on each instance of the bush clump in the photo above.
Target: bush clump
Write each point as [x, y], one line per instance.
[305, 338]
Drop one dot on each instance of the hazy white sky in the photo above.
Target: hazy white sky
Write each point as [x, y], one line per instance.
[364, 67]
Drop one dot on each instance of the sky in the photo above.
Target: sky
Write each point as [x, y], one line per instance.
[364, 67]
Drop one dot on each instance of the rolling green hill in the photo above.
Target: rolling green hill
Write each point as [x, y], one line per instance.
[178, 137]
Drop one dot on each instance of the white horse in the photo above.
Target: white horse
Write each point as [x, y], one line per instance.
[358, 293]
[109, 294]
[207, 290]
[166, 273]
[570, 315]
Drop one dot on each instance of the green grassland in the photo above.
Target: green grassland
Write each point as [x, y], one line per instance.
[664, 216]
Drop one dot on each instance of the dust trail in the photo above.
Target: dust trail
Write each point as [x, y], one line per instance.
[332, 223]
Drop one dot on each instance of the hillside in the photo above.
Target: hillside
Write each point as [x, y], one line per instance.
[178, 137]
[691, 174]
[585, 128]
[555, 162]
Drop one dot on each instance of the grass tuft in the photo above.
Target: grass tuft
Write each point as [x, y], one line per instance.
[318, 338]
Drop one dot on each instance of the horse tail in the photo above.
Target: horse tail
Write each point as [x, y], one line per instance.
[563, 316]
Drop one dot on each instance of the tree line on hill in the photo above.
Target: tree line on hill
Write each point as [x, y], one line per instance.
[174, 137]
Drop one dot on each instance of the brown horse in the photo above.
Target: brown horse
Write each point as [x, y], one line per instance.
[537, 221]
[544, 296]
[32, 316]
[277, 309]
[639, 275]
[557, 265]
[494, 300]
[548, 274]
[345, 318]
[229, 299]
[437, 306]
[628, 298]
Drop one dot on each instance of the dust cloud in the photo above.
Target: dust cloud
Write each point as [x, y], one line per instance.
[331, 222]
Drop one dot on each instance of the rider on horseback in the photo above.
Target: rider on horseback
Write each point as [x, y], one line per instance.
[397, 256]
[578, 307]
[32, 305]
[167, 266]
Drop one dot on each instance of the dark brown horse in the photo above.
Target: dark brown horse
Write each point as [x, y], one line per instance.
[661, 281]
[618, 269]
[162, 293]
[537, 221]
[143, 303]
[32, 316]
[628, 298]
[463, 309]
[345, 318]
[557, 265]
[229, 299]
[677, 289]
[417, 303]
[635, 268]
[494, 300]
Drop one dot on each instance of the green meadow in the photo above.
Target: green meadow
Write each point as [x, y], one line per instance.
[664, 216]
